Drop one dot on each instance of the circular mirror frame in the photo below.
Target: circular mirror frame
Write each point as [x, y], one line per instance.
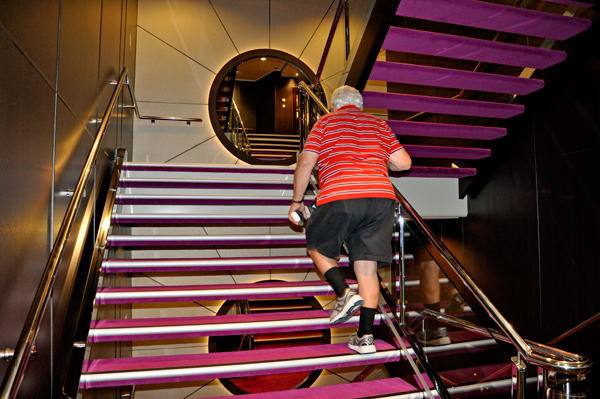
[214, 89]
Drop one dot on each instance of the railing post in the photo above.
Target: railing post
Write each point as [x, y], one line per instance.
[518, 380]
[399, 294]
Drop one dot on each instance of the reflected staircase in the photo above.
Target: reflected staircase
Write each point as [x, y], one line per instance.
[273, 147]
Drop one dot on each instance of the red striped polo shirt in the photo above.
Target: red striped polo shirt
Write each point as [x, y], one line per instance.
[354, 148]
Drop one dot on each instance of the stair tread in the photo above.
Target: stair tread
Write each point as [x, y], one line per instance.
[410, 128]
[498, 17]
[174, 218]
[427, 151]
[213, 239]
[207, 168]
[453, 78]
[155, 369]
[182, 293]
[357, 390]
[220, 325]
[207, 199]
[208, 264]
[179, 182]
[450, 46]
[418, 103]
[433, 171]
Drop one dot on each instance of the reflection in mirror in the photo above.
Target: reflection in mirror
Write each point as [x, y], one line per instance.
[256, 107]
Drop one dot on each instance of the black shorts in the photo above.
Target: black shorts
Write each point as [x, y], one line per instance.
[365, 224]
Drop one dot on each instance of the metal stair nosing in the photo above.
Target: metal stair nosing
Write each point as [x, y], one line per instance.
[162, 369]
[155, 294]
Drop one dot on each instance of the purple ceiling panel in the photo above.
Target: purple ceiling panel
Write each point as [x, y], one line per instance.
[497, 17]
[426, 151]
[409, 128]
[453, 78]
[438, 105]
[465, 48]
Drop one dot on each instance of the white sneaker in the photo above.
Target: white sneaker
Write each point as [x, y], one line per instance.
[346, 306]
[364, 344]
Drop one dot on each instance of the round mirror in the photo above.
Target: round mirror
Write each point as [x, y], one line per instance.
[253, 106]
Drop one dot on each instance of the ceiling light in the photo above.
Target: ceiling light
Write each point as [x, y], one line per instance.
[263, 59]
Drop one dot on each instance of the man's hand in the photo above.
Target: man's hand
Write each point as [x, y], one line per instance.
[293, 208]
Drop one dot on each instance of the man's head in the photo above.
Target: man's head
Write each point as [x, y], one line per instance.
[346, 95]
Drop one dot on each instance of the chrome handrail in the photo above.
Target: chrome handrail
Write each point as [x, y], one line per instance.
[304, 86]
[570, 362]
[16, 368]
[524, 349]
[153, 118]
[239, 116]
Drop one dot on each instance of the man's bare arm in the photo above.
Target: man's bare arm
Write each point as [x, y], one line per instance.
[304, 167]
[399, 160]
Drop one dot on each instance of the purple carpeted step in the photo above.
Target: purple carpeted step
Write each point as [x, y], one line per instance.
[274, 145]
[183, 293]
[234, 184]
[367, 389]
[453, 78]
[439, 105]
[207, 240]
[498, 17]
[162, 369]
[200, 168]
[430, 171]
[409, 128]
[237, 324]
[188, 218]
[426, 151]
[465, 48]
[205, 199]
[195, 265]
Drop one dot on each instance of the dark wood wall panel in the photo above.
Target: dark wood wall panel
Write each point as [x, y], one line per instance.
[26, 148]
[34, 26]
[79, 52]
[531, 237]
[42, 122]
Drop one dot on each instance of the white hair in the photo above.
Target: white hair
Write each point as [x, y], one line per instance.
[346, 95]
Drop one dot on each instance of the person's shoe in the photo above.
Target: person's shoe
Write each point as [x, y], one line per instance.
[346, 306]
[456, 304]
[433, 338]
[364, 344]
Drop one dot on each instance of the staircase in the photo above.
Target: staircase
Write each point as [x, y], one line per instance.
[221, 288]
[273, 147]
[454, 67]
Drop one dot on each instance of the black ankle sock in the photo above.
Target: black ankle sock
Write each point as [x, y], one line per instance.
[365, 325]
[432, 324]
[336, 280]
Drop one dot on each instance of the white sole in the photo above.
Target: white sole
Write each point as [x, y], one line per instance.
[363, 349]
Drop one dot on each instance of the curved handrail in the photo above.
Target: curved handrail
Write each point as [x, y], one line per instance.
[562, 361]
[304, 86]
[153, 118]
[568, 362]
[239, 115]
[16, 368]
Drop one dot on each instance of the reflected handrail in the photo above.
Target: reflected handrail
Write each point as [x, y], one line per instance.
[235, 115]
[569, 362]
[16, 368]
[562, 362]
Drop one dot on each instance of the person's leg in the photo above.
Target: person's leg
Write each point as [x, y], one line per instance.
[348, 301]
[368, 286]
[429, 275]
